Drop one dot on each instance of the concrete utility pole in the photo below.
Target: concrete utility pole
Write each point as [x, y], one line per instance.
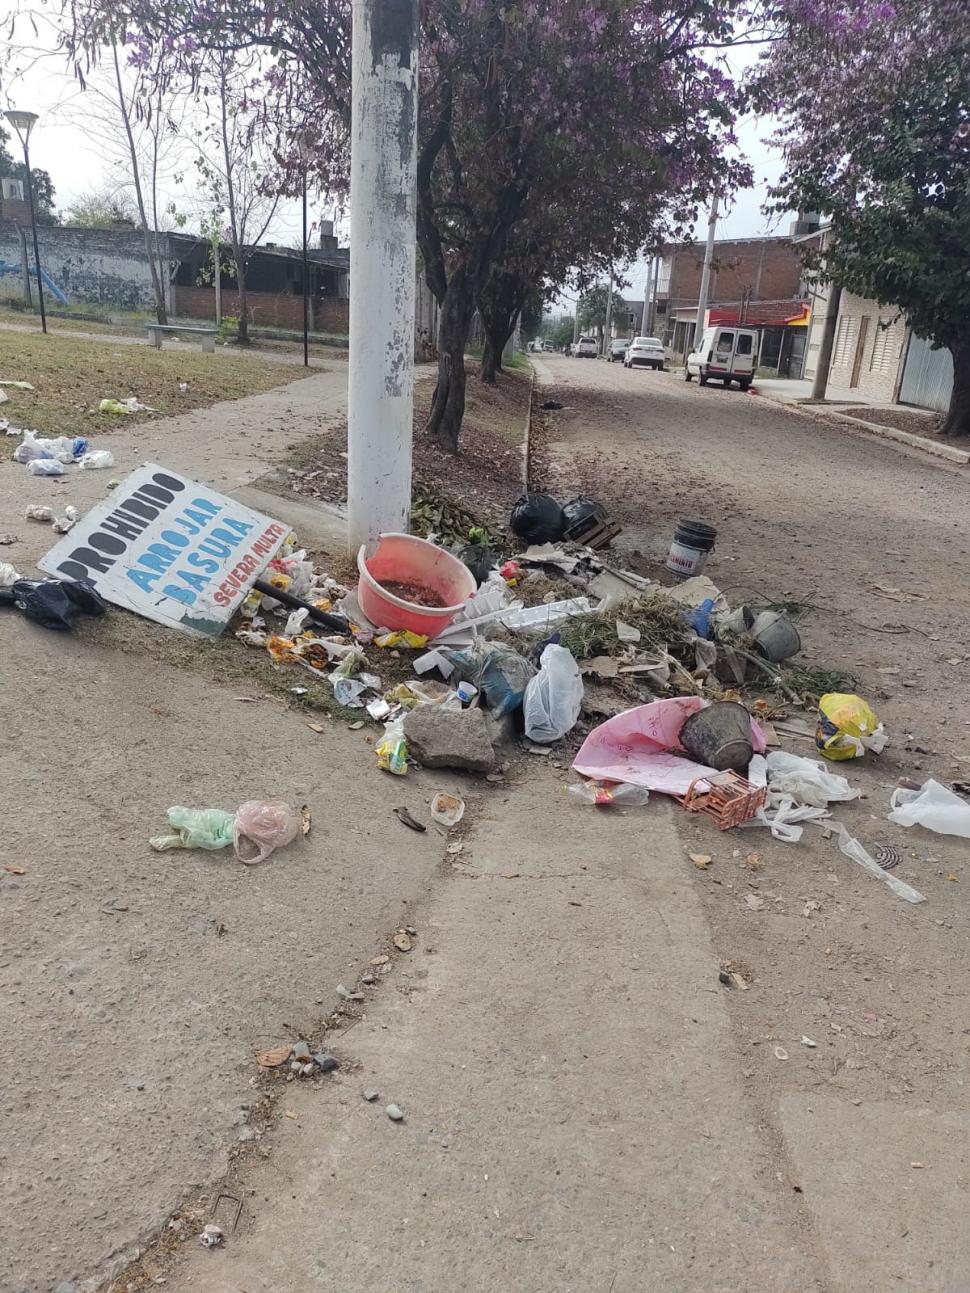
[645, 316]
[609, 316]
[706, 272]
[383, 166]
[821, 379]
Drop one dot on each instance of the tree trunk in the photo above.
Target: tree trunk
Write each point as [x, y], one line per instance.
[957, 423]
[491, 362]
[448, 402]
[242, 327]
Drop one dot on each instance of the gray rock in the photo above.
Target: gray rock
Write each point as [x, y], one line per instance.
[326, 1063]
[395, 1113]
[370, 1096]
[442, 738]
[66, 1286]
[309, 1069]
[502, 731]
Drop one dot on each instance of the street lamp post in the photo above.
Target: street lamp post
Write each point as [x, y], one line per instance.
[23, 123]
[306, 280]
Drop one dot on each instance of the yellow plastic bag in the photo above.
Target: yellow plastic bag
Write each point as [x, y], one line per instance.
[847, 727]
[392, 754]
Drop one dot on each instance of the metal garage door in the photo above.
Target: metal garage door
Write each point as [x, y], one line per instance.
[927, 376]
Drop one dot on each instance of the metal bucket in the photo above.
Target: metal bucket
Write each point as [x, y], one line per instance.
[775, 636]
[719, 736]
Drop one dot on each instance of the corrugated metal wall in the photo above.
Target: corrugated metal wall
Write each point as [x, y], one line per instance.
[927, 376]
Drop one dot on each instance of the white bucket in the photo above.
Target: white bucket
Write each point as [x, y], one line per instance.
[685, 561]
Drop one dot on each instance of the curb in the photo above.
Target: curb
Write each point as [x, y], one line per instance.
[821, 414]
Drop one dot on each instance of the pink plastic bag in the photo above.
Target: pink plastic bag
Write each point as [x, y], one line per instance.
[265, 826]
[642, 747]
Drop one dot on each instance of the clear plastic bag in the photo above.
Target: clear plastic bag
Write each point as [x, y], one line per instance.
[265, 825]
[553, 697]
[45, 467]
[603, 794]
[95, 459]
[500, 673]
[805, 781]
[932, 806]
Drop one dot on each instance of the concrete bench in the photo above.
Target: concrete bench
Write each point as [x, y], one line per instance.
[156, 330]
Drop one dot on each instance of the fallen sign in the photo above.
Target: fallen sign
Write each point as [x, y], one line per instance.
[170, 549]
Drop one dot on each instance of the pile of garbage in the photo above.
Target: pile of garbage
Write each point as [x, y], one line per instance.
[52, 455]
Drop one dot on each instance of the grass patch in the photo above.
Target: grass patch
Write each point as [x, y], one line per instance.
[811, 683]
[71, 375]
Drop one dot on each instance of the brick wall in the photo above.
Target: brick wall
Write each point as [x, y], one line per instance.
[865, 349]
[770, 268]
[266, 309]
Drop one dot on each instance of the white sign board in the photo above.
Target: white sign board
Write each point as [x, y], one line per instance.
[169, 549]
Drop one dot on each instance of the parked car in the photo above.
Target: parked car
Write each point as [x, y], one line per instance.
[618, 349]
[586, 348]
[644, 352]
[725, 355]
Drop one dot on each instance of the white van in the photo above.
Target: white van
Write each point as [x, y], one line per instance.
[725, 355]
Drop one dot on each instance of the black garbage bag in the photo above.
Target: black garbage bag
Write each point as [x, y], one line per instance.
[54, 603]
[479, 558]
[581, 514]
[537, 518]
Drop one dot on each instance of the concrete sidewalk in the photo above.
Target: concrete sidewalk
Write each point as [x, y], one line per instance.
[575, 1114]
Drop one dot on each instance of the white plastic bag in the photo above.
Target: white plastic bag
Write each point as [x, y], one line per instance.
[553, 697]
[97, 458]
[45, 467]
[932, 806]
[805, 781]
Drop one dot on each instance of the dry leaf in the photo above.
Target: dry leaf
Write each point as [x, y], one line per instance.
[701, 860]
[402, 942]
[305, 818]
[315, 727]
[20, 870]
[455, 848]
[510, 875]
[951, 876]
[290, 1114]
[753, 861]
[274, 1058]
[247, 700]
[379, 960]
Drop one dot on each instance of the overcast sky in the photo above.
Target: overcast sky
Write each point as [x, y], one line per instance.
[63, 145]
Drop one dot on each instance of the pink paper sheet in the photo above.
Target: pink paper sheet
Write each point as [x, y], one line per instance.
[642, 746]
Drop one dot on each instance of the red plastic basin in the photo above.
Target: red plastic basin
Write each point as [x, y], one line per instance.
[405, 559]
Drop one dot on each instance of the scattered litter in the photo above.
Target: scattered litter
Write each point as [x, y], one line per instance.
[853, 849]
[781, 1053]
[754, 902]
[497, 670]
[97, 460]
[887, 855]
[326, 1063]
[701, 860]
[395, 1113]
[196, 828]
[775, 636]
[15, 385]
[131, 405]
[626, 632]
[274, 1058]
[267, 825]
[729, 799]
[371, 1096]
[46, 467]
[602, 794]
[692, 544]
[847, 727]
[403, 815]
[410, 583]
[805, 781]
[554, 697]
[212, 1236]
[807, 1041]
[8, 575]
[54, 603]
[719, 736]
[7, 538]
[447, 810]
[932, 806]
[346, 995]
[402, 941]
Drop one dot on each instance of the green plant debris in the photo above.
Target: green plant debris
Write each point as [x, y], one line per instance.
[660, 621]
[811, 683]
[434, 513]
